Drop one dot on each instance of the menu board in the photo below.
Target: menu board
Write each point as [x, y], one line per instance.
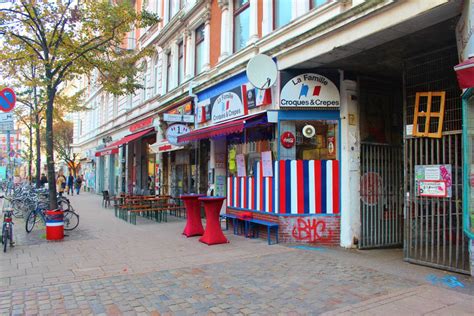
[240, 159]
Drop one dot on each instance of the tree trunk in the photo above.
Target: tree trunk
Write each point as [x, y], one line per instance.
[53, 203]
[38, 139]
[30, 154]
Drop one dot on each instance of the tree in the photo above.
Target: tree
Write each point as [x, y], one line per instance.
[63, 131]
[69, 38]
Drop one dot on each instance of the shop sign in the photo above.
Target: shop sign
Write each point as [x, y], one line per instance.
[310, 91]
[287, 139]
[180, 118]
[227, 106]
[142, 124]
[175, 130]
[431, 188]
[426, 175]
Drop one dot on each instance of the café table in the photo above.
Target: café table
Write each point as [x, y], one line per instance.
[213, 234]
[193, 215]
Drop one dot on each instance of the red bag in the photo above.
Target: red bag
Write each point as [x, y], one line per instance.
[245, 215]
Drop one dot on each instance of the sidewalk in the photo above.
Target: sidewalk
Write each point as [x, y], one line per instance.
[111, 267]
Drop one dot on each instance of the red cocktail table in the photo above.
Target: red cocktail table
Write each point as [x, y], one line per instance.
[193, 215]
[213, 234]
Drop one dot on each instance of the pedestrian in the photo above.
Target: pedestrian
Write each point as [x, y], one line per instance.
[61, 183]
[43, 180]
[78, 184]
[70, 184]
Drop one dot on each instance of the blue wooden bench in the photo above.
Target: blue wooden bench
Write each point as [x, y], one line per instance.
[270, 225]
[234, 219]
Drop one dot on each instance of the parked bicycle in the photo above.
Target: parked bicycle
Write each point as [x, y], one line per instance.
[71, 218]
[7, 228]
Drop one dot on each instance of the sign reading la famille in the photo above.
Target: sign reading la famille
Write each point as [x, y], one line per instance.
[227, 106]
[310, 91]
[175, 130]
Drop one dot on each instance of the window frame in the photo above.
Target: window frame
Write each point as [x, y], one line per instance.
[180, 66]
[236, 13]
[311, 4]
[156, 61]
[168, 71]
[274, 16]
[197, 42]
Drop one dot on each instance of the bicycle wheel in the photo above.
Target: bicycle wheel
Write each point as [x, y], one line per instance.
[64, 204]
[71, 220]
[30, 221]
[5, 237]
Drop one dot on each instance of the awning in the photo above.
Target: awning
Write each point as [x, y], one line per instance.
[113, 148]
[217, 130]
[465, 73]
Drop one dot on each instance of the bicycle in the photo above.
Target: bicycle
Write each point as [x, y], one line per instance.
[7, 229]
[71, 218]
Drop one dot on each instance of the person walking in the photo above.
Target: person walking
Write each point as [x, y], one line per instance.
[43, 180]
[70, 184]
[61, 183]
[78, 184]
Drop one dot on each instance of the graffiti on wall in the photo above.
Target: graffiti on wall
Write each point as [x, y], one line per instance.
[308, 229]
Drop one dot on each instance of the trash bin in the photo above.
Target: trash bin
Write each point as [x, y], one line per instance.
[54, 224]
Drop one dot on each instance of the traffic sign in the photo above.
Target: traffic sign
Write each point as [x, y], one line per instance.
[7, 100]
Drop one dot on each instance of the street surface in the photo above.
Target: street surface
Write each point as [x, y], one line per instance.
[110, 267]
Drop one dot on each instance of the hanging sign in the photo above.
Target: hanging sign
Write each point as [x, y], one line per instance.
[227, 106]
[175, 130]
[241, 171]
[287, 139]
[432, 188]
[267, 164]
[427, 177]
[180, 118]
[308, 91]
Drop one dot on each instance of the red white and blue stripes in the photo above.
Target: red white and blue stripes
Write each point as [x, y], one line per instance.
[297, 187]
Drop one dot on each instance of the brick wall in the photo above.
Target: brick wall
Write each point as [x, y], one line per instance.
[314, 229]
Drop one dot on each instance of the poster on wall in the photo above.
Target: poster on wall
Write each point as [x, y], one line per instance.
[433, 180]
[241, 171]
[267, 164]
[310, 90]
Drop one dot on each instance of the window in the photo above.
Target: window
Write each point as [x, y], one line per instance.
[281, 13]
[199, 49]
[241, 23]
[168, 71]
[174, 7]
[180, 63]
[145, 80]
[156, 73]
[316, 3]
[131, 39]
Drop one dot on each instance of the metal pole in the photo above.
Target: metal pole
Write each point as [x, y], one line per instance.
[9, 173]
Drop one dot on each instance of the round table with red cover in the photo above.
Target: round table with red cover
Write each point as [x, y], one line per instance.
[193, 215]
[213, 234]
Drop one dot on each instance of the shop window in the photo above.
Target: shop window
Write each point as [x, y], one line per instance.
[250, 144]
[180, 63]
[199, 49]
[429, 114]
[281, 13]
[315, 140]
[241, 23]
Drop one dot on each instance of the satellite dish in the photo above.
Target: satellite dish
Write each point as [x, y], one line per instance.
[309, 131]
[262, 71]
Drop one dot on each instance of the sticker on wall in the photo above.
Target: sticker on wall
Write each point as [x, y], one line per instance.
[175, 130]
[204, 111]
[310, 90]
[433, 180]
[227, 106]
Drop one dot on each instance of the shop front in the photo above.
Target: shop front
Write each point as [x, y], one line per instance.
[293, 176]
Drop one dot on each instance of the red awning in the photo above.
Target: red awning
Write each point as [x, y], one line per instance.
[213, 131]
[465, 73]
[113, 148]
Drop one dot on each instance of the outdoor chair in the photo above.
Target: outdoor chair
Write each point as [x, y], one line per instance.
[105, 198]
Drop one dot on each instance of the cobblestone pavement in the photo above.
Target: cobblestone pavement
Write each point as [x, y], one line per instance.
[110, 267]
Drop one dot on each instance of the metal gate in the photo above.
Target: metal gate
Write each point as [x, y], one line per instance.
[433, 225]
[381, 196]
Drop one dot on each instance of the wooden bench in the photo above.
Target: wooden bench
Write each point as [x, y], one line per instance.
[234, 219]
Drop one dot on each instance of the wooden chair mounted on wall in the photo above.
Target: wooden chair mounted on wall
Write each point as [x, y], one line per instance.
[429, 114]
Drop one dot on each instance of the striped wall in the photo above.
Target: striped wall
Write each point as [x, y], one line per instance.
[297, 187]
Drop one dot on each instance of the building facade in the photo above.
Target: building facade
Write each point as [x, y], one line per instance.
[339, 151]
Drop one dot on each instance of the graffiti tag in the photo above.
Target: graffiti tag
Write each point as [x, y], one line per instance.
[311, 230]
